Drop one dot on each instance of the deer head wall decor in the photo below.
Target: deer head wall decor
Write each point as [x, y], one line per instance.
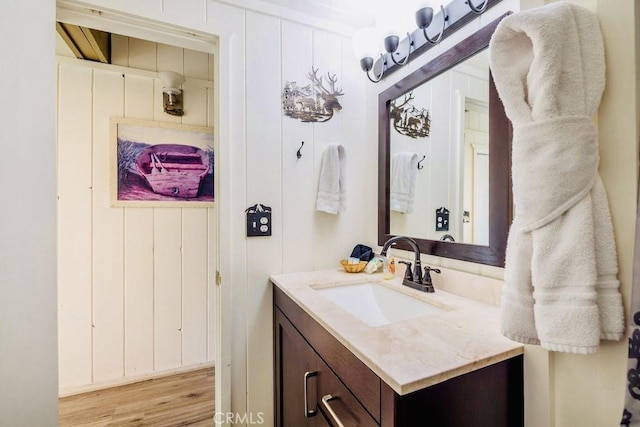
[409, 120]
[315, 102]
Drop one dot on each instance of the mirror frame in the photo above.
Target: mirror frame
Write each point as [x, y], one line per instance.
[500, 134]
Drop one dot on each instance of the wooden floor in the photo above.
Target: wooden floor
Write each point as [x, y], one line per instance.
[178, 400]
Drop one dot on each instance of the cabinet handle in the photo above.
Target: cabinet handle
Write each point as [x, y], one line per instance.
[308, 413]
[325, 401]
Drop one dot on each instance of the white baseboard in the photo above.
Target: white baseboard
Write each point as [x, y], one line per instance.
[70, 391]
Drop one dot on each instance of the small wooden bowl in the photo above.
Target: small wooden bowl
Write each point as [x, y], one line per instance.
[353, 268]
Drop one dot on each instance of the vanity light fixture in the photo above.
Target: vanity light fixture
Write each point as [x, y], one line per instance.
[424, 16]
[171, 92]
[365, 46]
[391, 43]
[376, 63]
[478, 9]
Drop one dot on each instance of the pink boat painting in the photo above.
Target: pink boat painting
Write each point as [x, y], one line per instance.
[156, 164]
[174, 170]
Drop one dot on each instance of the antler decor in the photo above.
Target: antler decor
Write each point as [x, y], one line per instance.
[314, 102]
[408, 120]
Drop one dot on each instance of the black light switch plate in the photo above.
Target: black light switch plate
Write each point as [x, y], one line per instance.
[442, 219]
[258, 221]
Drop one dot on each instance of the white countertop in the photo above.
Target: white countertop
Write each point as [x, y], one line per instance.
[411, 354]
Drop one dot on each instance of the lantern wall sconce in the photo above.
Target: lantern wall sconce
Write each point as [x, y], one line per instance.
[447, 20]
[171, 92]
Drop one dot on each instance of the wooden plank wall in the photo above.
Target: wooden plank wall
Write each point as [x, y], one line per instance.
[136, 285]
[303, 239]
[258, 164]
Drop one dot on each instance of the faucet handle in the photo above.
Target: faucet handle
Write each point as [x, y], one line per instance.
[407, 274]
[426, 281]
[427, 269]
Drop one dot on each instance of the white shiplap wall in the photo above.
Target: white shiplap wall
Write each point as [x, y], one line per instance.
[135, 285]
[257, 163]
[303, 239]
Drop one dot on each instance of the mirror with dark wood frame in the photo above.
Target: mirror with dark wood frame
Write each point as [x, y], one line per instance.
[499, 176]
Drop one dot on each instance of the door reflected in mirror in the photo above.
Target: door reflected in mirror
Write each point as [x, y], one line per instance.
[446, 121]
[475, 173]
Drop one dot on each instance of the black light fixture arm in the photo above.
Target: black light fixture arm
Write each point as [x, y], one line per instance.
[454, 16]
[391, 44]
[477, 9]
[445, 18]
[367, 65]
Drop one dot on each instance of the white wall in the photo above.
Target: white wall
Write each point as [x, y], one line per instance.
[589, 391]
[303, 239]
[28, 355]
[136, 286]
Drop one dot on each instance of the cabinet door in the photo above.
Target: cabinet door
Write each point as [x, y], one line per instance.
[321, 420]
[296, 377]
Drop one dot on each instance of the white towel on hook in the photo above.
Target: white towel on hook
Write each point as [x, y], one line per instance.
[561, 289]
[332, 188]
[404, 166]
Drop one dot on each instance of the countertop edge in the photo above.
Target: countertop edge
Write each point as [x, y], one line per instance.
[471, 367]
[518, 349]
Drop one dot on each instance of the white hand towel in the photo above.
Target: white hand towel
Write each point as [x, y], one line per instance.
[560, 287]
[404, 166]
[332, 188]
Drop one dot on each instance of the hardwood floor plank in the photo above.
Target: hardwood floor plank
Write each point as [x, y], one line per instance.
[185, 399]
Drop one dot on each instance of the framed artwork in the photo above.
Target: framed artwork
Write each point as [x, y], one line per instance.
[157, 164]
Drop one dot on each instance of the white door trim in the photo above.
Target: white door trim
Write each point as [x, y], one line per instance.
[147, 29]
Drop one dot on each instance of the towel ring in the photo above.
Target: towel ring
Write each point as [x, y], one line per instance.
[445, 18]
[299, 153]
[477, 9]
[420, 167]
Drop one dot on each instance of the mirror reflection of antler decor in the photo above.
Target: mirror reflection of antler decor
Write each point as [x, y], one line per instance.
[409, 120]
[314, 102]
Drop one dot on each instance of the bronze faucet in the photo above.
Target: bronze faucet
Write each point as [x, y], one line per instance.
[413, 280]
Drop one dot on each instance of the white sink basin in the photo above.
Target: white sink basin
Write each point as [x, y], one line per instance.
[376, 304]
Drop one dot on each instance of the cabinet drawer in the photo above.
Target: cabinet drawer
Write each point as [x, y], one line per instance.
[358, 378]
[336, 401]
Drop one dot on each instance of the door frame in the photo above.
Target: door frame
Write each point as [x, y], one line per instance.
[160, 32]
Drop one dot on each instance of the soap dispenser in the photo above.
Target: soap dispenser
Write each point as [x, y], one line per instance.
[387, 269]
[426, 279]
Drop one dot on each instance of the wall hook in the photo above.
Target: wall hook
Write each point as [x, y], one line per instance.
[298, 153]
[477, 9]
[420, 166]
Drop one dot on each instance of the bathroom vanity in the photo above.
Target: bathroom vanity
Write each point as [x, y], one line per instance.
[449, 367]
[383, 354]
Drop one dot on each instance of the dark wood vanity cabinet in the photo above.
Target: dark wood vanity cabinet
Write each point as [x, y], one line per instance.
[318, 381]
[305, 380]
